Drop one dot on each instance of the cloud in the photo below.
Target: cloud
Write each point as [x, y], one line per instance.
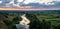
[0, 2]
[13, 3]
[45, 2]
[33, 3]
[19, 0]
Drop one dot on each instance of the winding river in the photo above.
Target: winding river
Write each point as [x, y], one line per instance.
[24, 23]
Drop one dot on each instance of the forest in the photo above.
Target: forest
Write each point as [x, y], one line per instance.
[39, 19]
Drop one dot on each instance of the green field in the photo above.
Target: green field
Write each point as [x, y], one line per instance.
[43, 20]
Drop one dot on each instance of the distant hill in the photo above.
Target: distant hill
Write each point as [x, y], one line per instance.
[30, 11]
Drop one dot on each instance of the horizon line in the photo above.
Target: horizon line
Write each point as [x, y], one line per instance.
[8, 8]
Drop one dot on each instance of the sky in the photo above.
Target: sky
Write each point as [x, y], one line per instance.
[32, 3]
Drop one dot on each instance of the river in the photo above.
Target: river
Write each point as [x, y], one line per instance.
[24, 23]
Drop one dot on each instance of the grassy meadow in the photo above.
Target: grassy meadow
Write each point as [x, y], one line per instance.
[39, 19]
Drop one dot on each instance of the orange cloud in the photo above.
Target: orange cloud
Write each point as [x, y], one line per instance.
[27, 9]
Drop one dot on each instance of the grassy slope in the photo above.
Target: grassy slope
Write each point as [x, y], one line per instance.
[54, 18]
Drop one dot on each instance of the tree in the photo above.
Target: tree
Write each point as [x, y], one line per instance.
[34, 21]
[46, 25]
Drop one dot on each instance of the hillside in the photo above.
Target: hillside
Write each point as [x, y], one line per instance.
[39, 19]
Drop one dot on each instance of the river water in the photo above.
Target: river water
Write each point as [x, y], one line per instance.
[24, 23]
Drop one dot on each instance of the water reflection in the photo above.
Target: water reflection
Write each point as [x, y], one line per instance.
[24, 23]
